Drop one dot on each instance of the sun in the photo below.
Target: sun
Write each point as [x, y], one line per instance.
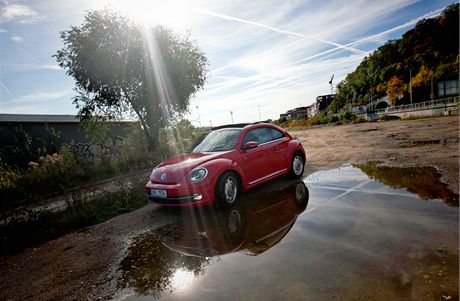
[182, 279]
[176, 14]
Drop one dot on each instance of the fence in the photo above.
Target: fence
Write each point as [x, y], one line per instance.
[427, 105]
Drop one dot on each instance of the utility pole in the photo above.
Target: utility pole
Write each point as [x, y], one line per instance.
[432, 93]
[231, 114]
[410, 85]
[199, 119]
[210, 123]
[260, 116]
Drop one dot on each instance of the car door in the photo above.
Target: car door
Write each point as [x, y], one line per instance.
[254, 161]
[279, 145]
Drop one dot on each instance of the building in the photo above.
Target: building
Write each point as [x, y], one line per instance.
[323, 101]
[448, 88]
[297, 113]
[359, 109]
[45, 130]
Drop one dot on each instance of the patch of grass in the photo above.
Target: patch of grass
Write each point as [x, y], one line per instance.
[320, 119]
[441, 249]
[80, 213]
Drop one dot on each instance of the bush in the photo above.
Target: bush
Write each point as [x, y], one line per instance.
[348, 116]
[333, 119]
[321, 118]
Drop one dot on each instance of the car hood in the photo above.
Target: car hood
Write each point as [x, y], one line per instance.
[175, 168]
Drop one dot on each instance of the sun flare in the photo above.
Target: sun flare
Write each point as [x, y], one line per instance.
[176, 14]
[182, 279]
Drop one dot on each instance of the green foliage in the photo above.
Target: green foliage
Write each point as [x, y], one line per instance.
[25, 149]
[430, 48]
[322, 118]
[121, 67]
[96, 129]
[80, 212]
[55, 173]
[347, 116]
[185, 134]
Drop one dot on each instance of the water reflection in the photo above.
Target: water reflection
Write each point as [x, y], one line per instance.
[172, 256]
[151, 269]
[423, 181]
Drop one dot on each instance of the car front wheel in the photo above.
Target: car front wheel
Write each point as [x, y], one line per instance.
[227, 189]
[297, 166]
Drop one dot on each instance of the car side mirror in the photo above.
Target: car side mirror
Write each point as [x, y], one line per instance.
[250, 145]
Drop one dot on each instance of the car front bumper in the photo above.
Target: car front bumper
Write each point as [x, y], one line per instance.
[181, 195]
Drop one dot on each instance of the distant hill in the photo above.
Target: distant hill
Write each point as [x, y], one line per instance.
[430, 51]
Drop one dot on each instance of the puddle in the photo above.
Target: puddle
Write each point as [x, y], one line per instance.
[444, 141]
[345, 237]
[368, 130]
[423, 181]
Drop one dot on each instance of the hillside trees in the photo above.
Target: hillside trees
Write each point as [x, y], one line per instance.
[429, 51]
[123, 68]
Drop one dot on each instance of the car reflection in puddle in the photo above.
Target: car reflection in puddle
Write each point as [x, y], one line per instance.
[358, 239]
[255, 225]
[170, 257]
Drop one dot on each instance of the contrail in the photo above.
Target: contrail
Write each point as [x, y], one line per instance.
[5, 88]
[300, 35]
[407, 24]
[237, 80]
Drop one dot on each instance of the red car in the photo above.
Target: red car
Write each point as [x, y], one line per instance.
[224, 163]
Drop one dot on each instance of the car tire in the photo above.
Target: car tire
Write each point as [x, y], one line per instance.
[297, 166]
[235, 220]
[227, 189]
[301, 195]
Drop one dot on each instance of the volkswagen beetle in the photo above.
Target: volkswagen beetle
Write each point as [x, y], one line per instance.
[224, 163]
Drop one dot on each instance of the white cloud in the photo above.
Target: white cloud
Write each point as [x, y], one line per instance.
[3, 30]
[21, 13]
[281, 55]
[17, 39]
[41, 96]
[40, 102]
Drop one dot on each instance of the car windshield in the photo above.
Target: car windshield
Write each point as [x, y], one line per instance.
[218, 141]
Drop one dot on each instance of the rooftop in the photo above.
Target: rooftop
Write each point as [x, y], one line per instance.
[42, 118]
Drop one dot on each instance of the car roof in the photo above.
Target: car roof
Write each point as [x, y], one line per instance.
[238, 125]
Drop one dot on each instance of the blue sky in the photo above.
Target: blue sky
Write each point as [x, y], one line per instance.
[265, 56]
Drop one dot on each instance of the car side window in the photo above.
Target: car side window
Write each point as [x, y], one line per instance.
[259, 135]
[275, 134]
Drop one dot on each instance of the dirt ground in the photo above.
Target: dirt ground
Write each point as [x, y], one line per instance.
[423, 142]
[82, 265]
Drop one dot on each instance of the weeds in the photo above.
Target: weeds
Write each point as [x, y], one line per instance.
[80, 212]
[321, 118]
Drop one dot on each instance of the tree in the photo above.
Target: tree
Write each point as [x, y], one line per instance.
[185, 134]
[429, 50]
[395, 89]
[122, 67]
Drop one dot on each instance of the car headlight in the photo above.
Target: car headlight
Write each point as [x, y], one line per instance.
[197, 174]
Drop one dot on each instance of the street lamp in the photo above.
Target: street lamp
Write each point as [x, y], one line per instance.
[260, 116]
[231, 114]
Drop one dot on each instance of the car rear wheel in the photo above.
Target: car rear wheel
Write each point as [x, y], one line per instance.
[227, 189]
[297, 166]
